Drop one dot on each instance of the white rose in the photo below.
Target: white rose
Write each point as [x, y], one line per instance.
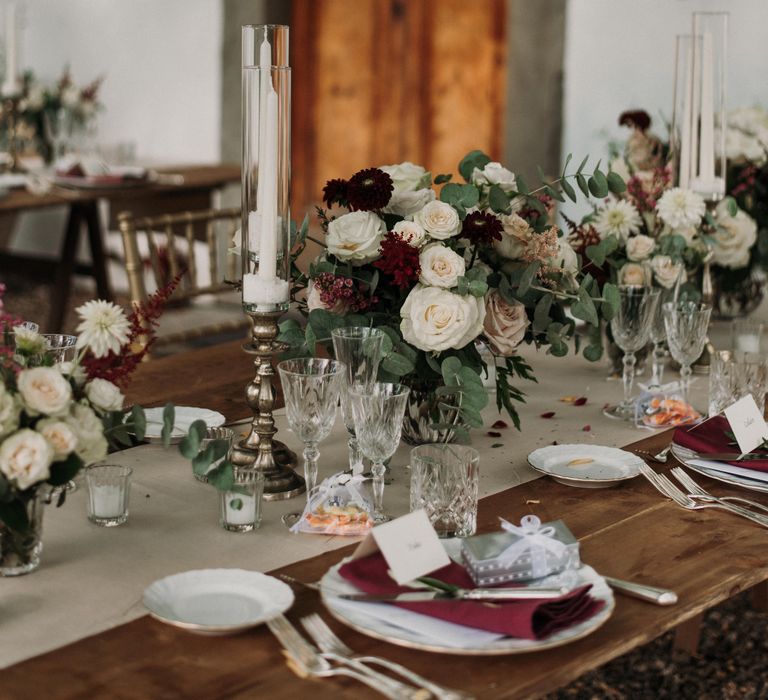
[495, 174]
[408, 203]
[439, 220]
[25, 458]
[356, 237]
[411, 232]
[44, 390]
[633, 274]
[504, 324]
[91, 443]
[73, 370]
[104, 395]
[9, 412]
[407, 177]
[440, 266]
[734, 237]
[435, 319]
[60, 436]
[514, 238]
[666, 272]
[565, 259]
[640, 247]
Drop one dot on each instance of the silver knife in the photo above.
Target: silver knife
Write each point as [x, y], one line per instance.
[652, 594]
[487, 594]
[727, 456]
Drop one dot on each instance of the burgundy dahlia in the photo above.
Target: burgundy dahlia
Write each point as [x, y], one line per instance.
[635, 119]
[481, 228]
[399, 259]
[369, 189]
[335, 192]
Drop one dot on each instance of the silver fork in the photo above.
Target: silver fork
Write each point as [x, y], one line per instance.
[660, 457]
[325, 638]
[694, 489]
[307, 661]
[693, 502]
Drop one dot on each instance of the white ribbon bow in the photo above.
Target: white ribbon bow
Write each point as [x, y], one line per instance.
[534, 538]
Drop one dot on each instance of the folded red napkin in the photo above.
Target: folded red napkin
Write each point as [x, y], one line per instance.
[526, 619]
[711, 437]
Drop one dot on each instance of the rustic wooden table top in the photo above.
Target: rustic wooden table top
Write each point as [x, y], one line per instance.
[628, 532]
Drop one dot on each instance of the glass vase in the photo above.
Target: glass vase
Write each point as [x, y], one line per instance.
[422, 412]
[20, 551]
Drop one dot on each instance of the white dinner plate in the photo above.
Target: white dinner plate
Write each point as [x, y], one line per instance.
[415, 631]
[217, 601]
[738, 476]
[585, 466]
[184, 417]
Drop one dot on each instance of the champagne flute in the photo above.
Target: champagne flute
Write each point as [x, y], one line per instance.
[378, 410]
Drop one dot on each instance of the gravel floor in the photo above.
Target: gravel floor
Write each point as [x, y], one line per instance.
[731, 663]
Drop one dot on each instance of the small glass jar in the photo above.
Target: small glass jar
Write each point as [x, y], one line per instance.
[240, 508]
[109, 489]
[213, 435]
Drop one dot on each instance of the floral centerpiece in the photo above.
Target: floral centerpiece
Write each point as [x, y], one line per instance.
[444, 271]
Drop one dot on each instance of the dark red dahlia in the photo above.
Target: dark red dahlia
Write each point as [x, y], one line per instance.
[369, 189]
[481, 228]
[399, 259]
[635, 119]
[335, 192]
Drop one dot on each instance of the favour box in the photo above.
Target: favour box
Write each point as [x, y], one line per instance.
[521, 553]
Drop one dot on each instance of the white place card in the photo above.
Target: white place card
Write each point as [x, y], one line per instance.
[747, 423]
[409, 545]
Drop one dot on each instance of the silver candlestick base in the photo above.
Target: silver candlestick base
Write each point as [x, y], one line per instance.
[259, 450]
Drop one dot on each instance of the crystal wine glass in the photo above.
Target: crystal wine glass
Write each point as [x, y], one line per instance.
[687, 323]
[360, 349]
[311, 388]
[631, 329]
[378, 411]
[658, 338]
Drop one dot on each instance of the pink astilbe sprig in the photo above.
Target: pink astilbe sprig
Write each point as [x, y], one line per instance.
[117, 367]
[645, 192]
[339, 292]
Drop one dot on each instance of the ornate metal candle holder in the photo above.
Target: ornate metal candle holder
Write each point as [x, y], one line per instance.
[11, 126]
[259, 450]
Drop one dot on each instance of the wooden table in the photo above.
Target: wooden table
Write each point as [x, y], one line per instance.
[83, 212]
[629, 532]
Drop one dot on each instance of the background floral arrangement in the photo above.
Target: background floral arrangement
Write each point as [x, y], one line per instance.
[481, 261]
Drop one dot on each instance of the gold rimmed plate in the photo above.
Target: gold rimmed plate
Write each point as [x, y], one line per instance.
[585, 466]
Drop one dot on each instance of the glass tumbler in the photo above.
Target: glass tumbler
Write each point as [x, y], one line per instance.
[219, 438]
[109, 489]
[444, 482]
[734, 375]
[240, 508]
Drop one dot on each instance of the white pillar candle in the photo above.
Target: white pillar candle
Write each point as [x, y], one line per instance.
[11, 84]
[707, 143]
[246, 515]
[108, 501]
[268, 231]
[265, 85]
[747, 342]
[695, 105]
[685, 135]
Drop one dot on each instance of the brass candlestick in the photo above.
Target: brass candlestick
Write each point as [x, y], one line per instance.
[259, 450]
[11, 119]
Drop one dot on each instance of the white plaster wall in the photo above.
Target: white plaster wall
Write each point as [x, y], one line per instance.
[620, 54]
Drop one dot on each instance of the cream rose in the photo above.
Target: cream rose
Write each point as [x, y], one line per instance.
[44, 390]
[439, 220]
[91, 443]
[25, 458]
[633, 274]
[407, 176]
[734, 238]
[435, 319]
[565, 259]
[104, 395]
[9, 412]
[504, 324]
[356, 237]
[408, 203]
[640, 247]
[60, 436]
[411, 232]
[495, 174]
[514, 238]
[440, 266]
[666, 272]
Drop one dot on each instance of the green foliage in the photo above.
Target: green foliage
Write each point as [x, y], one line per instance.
[461, 197]
[463, 395]
[443, 178]
[473, 159]
[64, 471]
[169, 417]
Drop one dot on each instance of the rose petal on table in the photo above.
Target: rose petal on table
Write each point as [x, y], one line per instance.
[587, 428]
[580, 401]
[499, 424]
[498, 444]
[493, 433]
[548, 414]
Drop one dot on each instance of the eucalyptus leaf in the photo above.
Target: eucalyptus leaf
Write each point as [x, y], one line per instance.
[526, 280]
[581, 181]
[568, 189]
[139, 421]
[615, 182]
[442, 178]
[169, 418]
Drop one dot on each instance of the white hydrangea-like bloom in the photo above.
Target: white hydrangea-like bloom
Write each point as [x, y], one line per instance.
[104, 327]
[679, 208]
[618, 218]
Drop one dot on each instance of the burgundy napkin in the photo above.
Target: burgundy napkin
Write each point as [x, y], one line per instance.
[526, 619]
[710, 437]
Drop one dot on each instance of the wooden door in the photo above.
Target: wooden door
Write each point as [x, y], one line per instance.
[383, 81]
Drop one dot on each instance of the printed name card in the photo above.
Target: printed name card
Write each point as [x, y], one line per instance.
[747, 423]
[409, 545]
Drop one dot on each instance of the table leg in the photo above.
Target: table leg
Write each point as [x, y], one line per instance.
[62, 282]
[687, 635]
[759, 595]
[98, 256]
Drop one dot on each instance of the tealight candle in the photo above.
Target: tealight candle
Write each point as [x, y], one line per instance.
[108, 493]
[240, 511]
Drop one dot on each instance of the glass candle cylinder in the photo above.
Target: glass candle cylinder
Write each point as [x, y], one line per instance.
[266, 169]
[109, 488]
[240, 509]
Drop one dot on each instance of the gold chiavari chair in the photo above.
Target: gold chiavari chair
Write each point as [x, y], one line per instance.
[196, 246]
